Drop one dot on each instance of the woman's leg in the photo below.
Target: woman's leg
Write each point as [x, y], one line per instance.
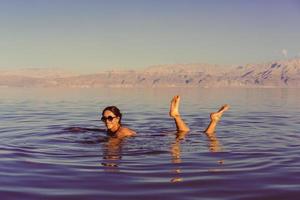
[174, 113]
[215, 118]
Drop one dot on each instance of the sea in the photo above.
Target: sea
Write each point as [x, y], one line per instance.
[53, 145]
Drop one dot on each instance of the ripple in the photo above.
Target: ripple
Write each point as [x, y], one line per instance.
[58, 149]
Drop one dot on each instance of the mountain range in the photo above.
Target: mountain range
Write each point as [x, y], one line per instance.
[282, 74]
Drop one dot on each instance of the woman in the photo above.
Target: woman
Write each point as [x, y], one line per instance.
[112, 117]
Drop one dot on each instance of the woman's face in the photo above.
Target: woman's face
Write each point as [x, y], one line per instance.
[110, 119]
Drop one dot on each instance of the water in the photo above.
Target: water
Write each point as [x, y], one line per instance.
[255, 155]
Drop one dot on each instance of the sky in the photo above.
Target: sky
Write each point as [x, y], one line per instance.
[96, 35]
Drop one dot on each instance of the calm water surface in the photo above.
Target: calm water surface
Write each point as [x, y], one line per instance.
[255, 154]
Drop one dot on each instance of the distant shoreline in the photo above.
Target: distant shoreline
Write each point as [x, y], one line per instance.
[280, 74]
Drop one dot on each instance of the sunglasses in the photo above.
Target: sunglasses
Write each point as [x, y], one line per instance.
[109, 118]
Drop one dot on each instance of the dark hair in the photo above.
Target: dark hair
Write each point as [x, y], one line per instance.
[114, 110]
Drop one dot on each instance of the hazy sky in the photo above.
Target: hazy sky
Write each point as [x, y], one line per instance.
[95, 35]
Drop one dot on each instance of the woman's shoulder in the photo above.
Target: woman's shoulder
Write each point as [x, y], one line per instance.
[126, 132]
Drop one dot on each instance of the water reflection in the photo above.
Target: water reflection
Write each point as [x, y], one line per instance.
[214, 146]
[112, 146]
[176, 156]
[112, 154]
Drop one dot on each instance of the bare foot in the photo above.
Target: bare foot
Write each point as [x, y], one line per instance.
[174, 108]
[216, 116]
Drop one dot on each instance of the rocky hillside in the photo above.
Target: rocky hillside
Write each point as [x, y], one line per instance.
[275, 74]
[285, 73]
